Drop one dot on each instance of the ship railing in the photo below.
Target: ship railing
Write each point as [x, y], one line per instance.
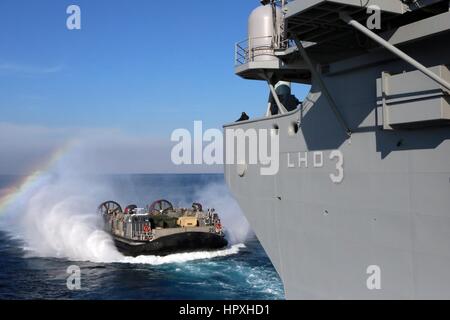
[241, 53]
[246, 51]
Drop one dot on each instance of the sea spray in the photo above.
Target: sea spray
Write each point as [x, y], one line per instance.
[55, 212]
[215, 195]
[57, 218]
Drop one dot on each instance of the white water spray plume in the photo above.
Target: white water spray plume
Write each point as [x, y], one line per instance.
[55, 216]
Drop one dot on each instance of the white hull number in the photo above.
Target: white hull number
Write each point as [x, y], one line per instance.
[316, 160]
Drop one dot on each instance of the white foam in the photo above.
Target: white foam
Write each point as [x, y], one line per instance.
[183, 257]
[54, 218]
[54, 215]
[216, 195]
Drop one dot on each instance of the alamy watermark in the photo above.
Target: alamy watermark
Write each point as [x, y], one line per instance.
[251, 146]
[73, 281]
[73, 21]
[374, 280]
[374, 21]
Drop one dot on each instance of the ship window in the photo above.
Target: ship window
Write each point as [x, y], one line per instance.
[293, 129]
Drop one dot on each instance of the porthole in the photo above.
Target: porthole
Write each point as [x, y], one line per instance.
[275, 129]
[293, 129]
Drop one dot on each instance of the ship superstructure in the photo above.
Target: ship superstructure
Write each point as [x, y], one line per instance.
[360, 205]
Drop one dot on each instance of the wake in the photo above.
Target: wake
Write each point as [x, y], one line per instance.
[183, 257]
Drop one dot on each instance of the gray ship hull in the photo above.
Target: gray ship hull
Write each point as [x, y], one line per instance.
[391, 208]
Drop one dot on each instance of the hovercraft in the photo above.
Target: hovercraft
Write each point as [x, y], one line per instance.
[160, 229]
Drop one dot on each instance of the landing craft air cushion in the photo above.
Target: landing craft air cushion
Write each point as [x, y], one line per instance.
[161, 229]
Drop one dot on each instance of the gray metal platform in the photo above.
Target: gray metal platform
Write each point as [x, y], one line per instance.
[318, 20]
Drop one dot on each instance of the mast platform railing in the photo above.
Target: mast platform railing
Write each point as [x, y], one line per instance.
[247, 50]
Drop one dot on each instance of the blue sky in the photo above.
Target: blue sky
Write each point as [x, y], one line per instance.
[142, 67]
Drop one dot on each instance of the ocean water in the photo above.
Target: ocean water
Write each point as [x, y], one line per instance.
[42, 233]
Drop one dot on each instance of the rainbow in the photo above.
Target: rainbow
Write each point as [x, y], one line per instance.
[23, 185]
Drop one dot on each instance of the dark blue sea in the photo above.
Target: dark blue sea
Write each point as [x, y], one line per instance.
[39, 240]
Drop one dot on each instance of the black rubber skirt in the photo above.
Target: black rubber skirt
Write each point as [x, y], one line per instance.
[176, 243]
